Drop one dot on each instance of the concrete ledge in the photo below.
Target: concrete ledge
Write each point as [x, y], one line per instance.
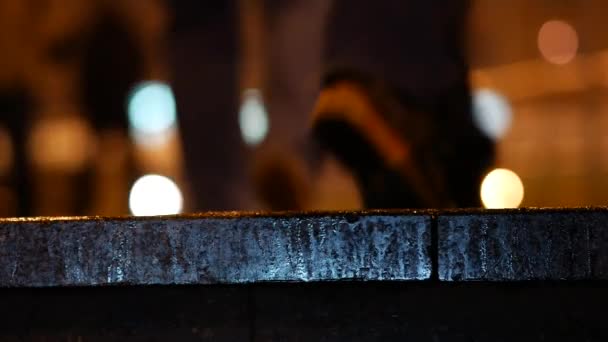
[517, 245]
[214, 249]
[237, 248]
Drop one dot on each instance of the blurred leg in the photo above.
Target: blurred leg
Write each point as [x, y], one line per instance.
[416, 49]
[203, 51]
[295, 31]
[14, 109]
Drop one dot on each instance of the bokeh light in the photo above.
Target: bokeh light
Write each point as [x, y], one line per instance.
[491, 113]
[6, 151]
[502, 188]
[557, 41]
[253, 118]
[155, 195]
[63, 144]
[152, 112]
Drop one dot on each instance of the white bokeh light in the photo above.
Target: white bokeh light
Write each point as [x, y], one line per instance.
[502, 188]
[253, 118]
[155, 195]
[491, 113]
[152, 112]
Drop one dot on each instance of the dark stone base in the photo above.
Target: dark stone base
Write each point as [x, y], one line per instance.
[344, 311]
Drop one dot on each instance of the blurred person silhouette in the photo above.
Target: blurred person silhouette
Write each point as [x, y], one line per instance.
[280, 182]
[204, 52]
[395, 103]
[394, 106]
[111, 65]
[15, 107]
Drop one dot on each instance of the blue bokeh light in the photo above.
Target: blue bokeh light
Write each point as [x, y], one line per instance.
[253, 118]
[151, 108]
[492, 113]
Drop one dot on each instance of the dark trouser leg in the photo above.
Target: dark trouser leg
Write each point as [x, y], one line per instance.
[417, 49]
[203, 47]
[14, 109]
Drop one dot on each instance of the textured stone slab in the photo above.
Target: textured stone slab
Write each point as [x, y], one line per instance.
[214, 249]
[523, 245]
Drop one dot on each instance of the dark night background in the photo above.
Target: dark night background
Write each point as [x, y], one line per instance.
[70, 68]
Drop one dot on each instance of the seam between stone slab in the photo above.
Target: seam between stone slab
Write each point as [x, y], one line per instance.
[434, 249]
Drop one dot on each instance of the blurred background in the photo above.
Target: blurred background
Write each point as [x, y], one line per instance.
[161, 107]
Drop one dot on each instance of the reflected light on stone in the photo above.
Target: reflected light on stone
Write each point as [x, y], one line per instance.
[155, 195]
[502, 188]
[491, 113]
[253, 118]
[152, 112]
[6, 151]
[557, 41]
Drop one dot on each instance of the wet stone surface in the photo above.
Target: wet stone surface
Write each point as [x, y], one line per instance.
[510, 275]
[523, 245]
[233, 248]
[214, 249]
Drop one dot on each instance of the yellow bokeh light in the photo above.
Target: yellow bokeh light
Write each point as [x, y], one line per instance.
[502, 188]
[61, 143]
[153, 195]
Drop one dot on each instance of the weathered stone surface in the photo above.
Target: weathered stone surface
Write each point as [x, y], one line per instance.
[214, 249]
[515, 245]
[598, 244]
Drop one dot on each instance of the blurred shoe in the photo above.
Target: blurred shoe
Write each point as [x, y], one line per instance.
[388, 147]
[280, 182]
